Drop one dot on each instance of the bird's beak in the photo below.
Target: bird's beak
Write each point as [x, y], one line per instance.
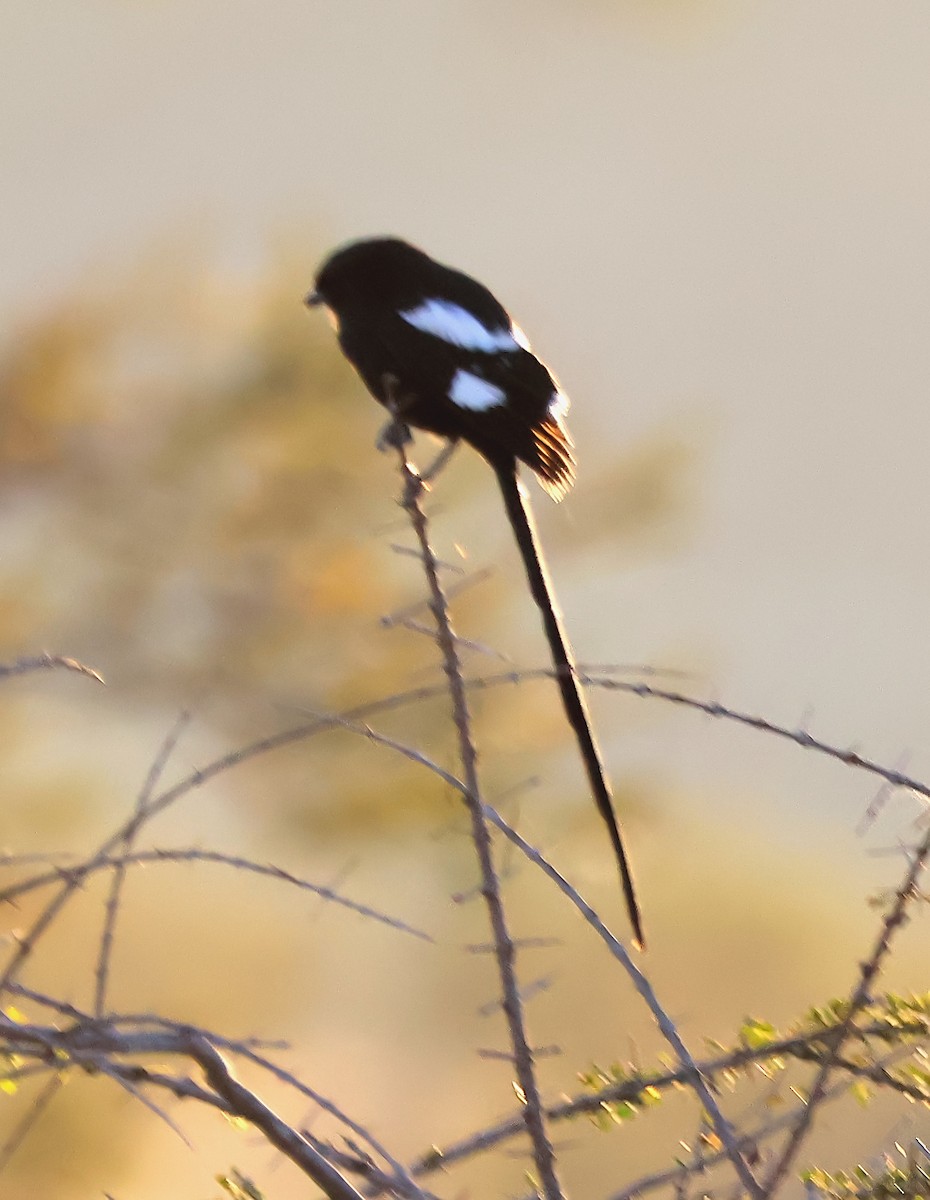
[312, 299]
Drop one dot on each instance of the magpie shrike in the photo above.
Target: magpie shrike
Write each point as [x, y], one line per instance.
[439, 350]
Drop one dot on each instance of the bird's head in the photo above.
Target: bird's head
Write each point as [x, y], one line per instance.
[372, 271]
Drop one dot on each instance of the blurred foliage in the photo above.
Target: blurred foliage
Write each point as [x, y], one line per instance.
[176, 456]
[194, 507]
[894, 1179]
[238, 1187]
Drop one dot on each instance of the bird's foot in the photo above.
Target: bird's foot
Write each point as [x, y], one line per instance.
[393, 435]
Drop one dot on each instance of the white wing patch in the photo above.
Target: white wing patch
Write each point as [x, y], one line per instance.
[471, 392]
[456, 325]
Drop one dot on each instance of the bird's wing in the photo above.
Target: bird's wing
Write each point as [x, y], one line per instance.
[504, 402]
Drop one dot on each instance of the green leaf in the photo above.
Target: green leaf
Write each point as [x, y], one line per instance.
[756, 1034]
[861, 1092]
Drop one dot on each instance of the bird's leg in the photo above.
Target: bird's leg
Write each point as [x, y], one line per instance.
[439, 461]
[394, 435]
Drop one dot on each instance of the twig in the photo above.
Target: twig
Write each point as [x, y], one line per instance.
[358, 1162]
[749, 1141]
[31, 1118]
[179, 1086]
[247, 1105]
[800, 737]
[106, 859]
[82, 871]
[131, 1085]
[47, 662]
[869, 971]
[95, 1046]
[411, 552]
[464, 643]
[118, 877]
[400, 748]
[404, 1179]
[305, 730]
[666, 1026]
[628, 1091]
[25, 943]
[523, 1059]
[409, 611]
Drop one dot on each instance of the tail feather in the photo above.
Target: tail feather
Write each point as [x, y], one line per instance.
[521, 518]
[552, 457]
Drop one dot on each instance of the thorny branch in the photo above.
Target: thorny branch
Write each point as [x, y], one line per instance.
[102, 1046]
[47, 662]
[667, 1027]
[543, 1154]
[118, 878]
[893, 921]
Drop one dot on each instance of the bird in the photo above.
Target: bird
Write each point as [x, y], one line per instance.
[442, 354]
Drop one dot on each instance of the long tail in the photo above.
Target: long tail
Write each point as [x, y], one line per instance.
[521, 518]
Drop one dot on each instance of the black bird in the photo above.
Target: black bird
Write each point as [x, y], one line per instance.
[436, 347]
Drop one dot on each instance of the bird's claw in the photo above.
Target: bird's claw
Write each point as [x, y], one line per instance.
[394, 435]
